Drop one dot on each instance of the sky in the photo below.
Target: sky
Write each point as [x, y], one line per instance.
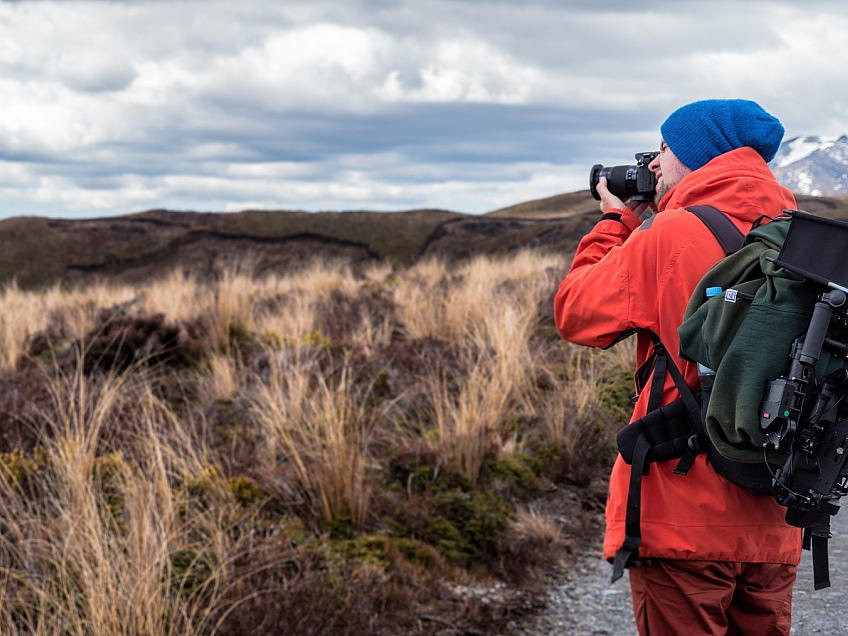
[114, 107]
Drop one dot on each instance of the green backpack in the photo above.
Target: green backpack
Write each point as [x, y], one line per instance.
[745, 334]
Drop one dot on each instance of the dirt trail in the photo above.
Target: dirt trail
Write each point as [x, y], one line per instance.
[586, 604]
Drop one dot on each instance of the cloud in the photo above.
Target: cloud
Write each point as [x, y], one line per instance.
[464, 69]
[110, 107]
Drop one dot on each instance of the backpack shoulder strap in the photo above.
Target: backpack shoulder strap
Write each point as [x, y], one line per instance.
[725, 231]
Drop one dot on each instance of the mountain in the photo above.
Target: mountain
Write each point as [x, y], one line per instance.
[813, 165]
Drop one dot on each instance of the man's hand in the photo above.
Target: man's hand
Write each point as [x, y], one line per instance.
[608, 200]
[611, 202]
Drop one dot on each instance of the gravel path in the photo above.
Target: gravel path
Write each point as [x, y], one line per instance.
[585, 603]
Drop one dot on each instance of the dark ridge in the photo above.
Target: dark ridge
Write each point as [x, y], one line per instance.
[204, 253]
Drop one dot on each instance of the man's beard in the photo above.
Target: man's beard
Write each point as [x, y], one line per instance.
[665, 185]
[669, 179]
[661, 190]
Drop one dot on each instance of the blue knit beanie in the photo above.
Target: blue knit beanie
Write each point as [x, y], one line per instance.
[701, 131]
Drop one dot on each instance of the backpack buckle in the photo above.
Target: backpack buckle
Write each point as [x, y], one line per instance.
[696, 444]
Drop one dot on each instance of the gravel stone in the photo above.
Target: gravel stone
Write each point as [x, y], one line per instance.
[584, 603]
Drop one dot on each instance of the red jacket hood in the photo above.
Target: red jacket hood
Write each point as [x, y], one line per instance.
[738, 183]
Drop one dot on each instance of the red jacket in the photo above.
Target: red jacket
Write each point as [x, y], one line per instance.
[625, 276]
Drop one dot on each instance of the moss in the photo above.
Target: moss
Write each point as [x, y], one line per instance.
[615, 397]
[206, 489]
[409, 476]
[317, 340]
[190, 570]
[274, 340]
[45, 358]
[206, 478]
[28, 475]
[341, 527]
[466, 527]
[418, 552]
[24, 471]
[237, 336]
[246, 491]
[392, 553]
[443, 535]
[381, 388]
[554, 465]
[296, 532]
[519, 472]
[548, 454]
[109, 472]
[369, 548]
[411, 473]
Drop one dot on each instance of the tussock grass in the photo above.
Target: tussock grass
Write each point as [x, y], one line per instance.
[471, 418]
[188, 457]
[321, 429]
[57, 314]
[89, 537]
[224, 380]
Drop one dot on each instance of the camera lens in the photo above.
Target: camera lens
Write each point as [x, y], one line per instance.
[637, 182]
[621, 180]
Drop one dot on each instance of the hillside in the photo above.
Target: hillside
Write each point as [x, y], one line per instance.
[37, 252]
[830, 207]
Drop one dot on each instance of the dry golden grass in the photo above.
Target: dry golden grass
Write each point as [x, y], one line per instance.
[530, 526]
[27, 313]
[93, 554]
[577, 396]
[224, 380]
[321, 428]
[457, 304]
[141, 504]
[175, 295]
[470, 422]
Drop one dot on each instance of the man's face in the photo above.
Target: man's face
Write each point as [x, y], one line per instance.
[669, 170]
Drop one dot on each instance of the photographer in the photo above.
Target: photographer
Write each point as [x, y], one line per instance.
[714, 558]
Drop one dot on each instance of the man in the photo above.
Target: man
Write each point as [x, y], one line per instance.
[717, 559]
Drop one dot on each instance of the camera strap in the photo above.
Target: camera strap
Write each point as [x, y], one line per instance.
[815, 540]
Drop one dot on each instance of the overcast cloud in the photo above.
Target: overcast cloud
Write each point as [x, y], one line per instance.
[115, 107]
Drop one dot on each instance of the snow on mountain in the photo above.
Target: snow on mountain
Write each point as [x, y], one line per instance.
[813, 165]
[798, 148]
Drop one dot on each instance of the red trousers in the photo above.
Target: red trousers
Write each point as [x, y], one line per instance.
[690, 598]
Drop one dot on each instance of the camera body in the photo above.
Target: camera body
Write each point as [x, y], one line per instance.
[636, 183]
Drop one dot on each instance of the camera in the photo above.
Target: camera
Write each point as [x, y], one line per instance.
[636, 183]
